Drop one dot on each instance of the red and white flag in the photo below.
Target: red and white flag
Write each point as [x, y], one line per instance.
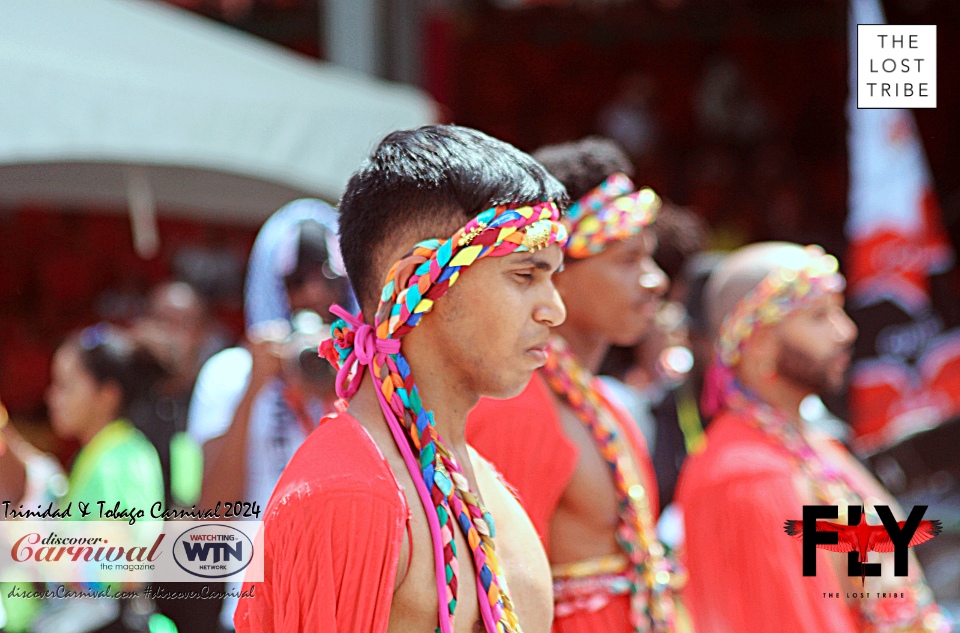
[906, 376]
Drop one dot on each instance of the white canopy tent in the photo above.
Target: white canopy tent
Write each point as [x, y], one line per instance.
[136, 104]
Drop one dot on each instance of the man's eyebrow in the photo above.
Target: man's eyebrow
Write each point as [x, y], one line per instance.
[538, 262]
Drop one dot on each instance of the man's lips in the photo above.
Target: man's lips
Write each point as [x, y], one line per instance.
[843, 359]
[645, 300]
[538, 352]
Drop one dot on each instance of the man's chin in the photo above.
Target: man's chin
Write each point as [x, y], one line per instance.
[826, 388]
[630, 334]
[824, 379]
[808, 386]
[833, 389]
[506, 391]
[833, 382]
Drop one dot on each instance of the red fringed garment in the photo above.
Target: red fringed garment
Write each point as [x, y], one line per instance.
[332, 538]
[746, 574]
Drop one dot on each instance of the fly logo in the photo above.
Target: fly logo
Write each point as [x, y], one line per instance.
[858, 538]
[213, 551]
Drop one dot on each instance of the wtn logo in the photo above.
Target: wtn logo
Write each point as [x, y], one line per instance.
[858, 538]
[202, 550]
[213, 551]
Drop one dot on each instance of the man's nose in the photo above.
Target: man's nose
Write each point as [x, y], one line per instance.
[846, 328]
[552, 312]
[653, 279]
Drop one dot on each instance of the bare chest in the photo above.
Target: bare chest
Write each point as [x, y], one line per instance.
[523, 566]
[585, 521]
[591, 494]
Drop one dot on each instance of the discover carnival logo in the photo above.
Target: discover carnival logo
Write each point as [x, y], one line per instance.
[213, 551]
[32, 547]
[65, 551]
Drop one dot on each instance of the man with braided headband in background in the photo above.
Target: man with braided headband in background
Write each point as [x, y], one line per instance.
[385, 520]
[782, 335]
[582, 469]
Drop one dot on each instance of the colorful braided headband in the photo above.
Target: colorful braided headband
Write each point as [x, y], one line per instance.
[413, 285]
[781, 292]
[610, 212]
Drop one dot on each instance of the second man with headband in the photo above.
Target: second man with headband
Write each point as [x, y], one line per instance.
[577, 458]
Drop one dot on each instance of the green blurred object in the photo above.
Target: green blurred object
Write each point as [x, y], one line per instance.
[160, 623]
[21, 612]
[186, 469]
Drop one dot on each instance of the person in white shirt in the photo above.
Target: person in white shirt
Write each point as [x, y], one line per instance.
[247, 411]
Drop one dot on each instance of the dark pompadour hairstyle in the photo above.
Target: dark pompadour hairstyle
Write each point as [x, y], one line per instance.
[419, 180]
[584, 164]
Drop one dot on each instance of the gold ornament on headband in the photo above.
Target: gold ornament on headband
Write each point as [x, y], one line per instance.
[468, 237]
[537, 235]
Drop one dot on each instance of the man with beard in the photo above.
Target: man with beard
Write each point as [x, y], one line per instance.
[577, 458]
[782, 334]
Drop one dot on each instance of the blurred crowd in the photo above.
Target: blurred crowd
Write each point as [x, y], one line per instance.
[153, 403]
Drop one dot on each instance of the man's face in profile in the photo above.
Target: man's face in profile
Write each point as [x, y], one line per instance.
[617, 292]
[815, 345]
[495, 321]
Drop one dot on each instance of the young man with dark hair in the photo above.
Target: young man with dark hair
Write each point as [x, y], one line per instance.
[385, 519]
[782, 334]
[579, 462]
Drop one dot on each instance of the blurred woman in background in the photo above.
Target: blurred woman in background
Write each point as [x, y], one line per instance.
[96, 376]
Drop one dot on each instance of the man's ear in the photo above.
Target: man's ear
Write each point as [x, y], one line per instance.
[110, 398]
[760, 351]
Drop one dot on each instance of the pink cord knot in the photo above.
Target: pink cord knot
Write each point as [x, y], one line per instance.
[353, 347]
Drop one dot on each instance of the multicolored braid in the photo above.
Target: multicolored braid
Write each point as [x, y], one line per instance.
[608, 213]
[654, 582]
[413, 285]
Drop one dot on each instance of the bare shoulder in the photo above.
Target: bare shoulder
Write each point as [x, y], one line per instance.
[339, 461]
[484, 466]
